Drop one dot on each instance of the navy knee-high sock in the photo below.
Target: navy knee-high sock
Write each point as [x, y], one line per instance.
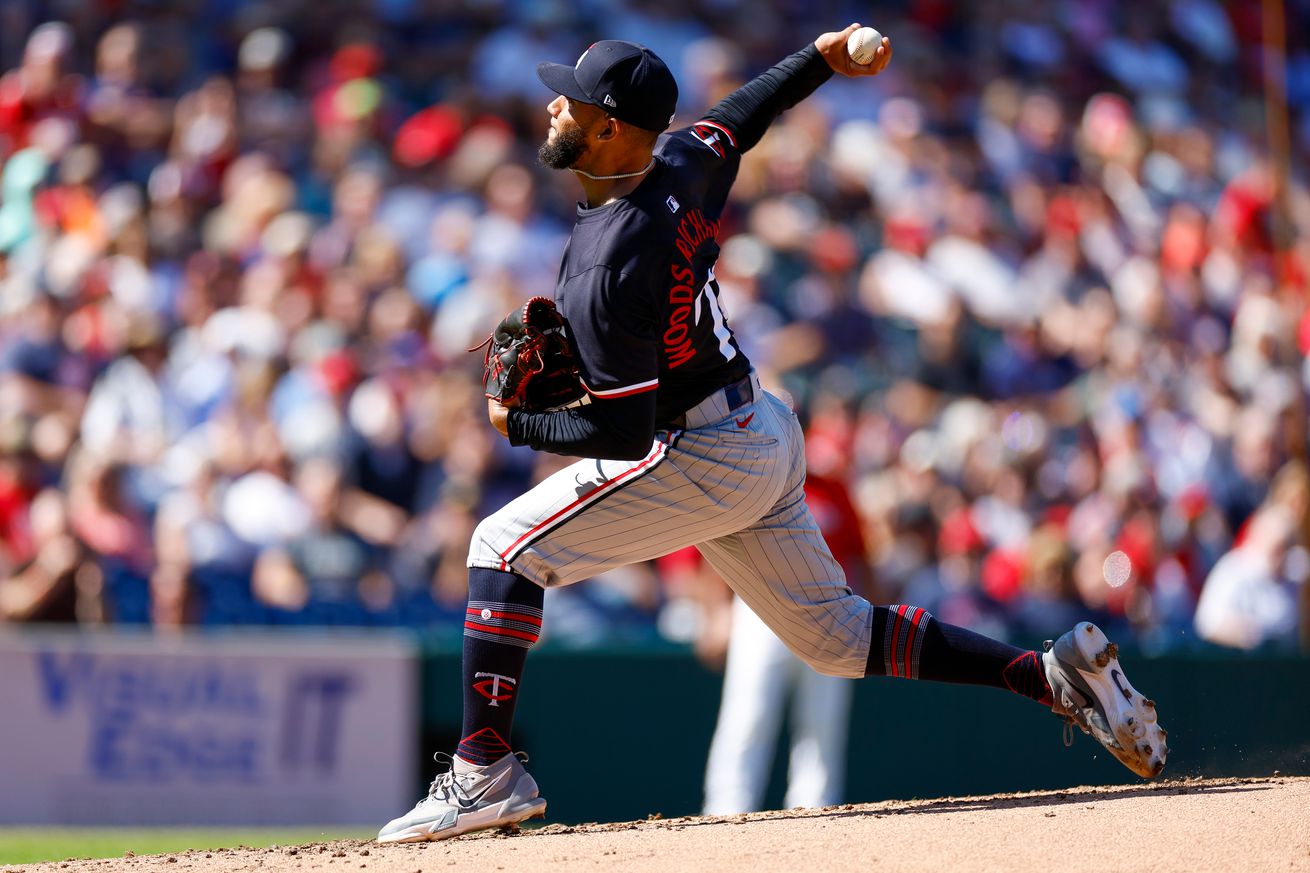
[503, 620]
[910, 643]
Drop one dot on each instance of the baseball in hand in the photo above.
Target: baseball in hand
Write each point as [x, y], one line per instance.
[863, 44]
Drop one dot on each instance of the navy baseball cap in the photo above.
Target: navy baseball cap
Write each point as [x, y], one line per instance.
[627, 80]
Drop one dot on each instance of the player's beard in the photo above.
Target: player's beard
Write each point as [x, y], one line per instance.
[565, 150]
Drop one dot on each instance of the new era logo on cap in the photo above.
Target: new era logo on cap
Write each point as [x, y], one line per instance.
[629, 80]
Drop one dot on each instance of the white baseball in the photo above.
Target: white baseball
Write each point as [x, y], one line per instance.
[863, 44]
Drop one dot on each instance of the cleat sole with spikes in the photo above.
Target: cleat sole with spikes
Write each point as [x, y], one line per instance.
[1090, 688]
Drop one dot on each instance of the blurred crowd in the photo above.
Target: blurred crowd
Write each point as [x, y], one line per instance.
[1037, 292]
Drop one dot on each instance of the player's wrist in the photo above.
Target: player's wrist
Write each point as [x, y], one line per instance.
[816, 62]
[514, 430]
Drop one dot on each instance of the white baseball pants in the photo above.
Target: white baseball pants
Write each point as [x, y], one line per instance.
[731, 484]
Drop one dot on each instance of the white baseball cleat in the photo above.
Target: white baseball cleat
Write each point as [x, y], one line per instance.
[1091, 691]
[469, 798]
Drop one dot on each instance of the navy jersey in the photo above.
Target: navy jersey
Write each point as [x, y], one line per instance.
[637, 280]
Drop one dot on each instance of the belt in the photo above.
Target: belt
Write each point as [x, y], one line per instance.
[718, 405]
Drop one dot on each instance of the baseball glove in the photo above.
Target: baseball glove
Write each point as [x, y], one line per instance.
[529, 362]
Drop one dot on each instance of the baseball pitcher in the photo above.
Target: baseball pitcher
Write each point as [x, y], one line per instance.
[685, 447]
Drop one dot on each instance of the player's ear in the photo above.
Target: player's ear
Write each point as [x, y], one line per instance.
[610, 130]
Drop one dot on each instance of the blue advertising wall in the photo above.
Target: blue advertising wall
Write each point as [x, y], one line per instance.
[121, 728]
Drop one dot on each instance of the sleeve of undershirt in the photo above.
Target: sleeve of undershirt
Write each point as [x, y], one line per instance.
[620, 429]
[747, 112]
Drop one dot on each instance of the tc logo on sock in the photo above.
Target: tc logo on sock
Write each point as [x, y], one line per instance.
[492, 689]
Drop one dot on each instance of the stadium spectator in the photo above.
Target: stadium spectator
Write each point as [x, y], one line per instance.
[1249, 599]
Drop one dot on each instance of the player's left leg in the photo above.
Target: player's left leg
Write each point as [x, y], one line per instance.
[486, 785]
[586, 518]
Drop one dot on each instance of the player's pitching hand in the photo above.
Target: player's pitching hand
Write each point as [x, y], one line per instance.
[833, 48]
[499, 415]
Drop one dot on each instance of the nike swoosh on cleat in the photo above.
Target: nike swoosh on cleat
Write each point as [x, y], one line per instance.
[742, 422]
[1116, 676]
[471, 799]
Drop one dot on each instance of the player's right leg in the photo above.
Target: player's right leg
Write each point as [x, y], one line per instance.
[783, 569]
[1079, 678]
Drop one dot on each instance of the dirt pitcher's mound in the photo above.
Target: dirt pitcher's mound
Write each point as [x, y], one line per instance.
[1245, 825]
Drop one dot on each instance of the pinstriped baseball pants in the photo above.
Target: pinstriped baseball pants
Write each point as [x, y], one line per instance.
[733, 487]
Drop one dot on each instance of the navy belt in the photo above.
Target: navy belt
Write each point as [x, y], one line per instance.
[736, 395]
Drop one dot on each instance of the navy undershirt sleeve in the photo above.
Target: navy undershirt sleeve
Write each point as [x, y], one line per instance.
[620, 429]
[749, 110]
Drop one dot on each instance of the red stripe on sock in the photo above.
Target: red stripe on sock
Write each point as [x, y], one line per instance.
[486, 735]
[512, 616]
[502, 631]
[1005, 674]
[482, 747]
[915, 614]
[1041, 694]
[896, 632]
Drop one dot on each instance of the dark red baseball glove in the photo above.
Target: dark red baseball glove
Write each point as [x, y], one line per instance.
[529, 362]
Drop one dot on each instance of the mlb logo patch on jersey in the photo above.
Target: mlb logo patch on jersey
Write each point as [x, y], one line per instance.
[673, 204]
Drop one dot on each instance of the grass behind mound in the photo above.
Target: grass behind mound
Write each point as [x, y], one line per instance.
[30, 845]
